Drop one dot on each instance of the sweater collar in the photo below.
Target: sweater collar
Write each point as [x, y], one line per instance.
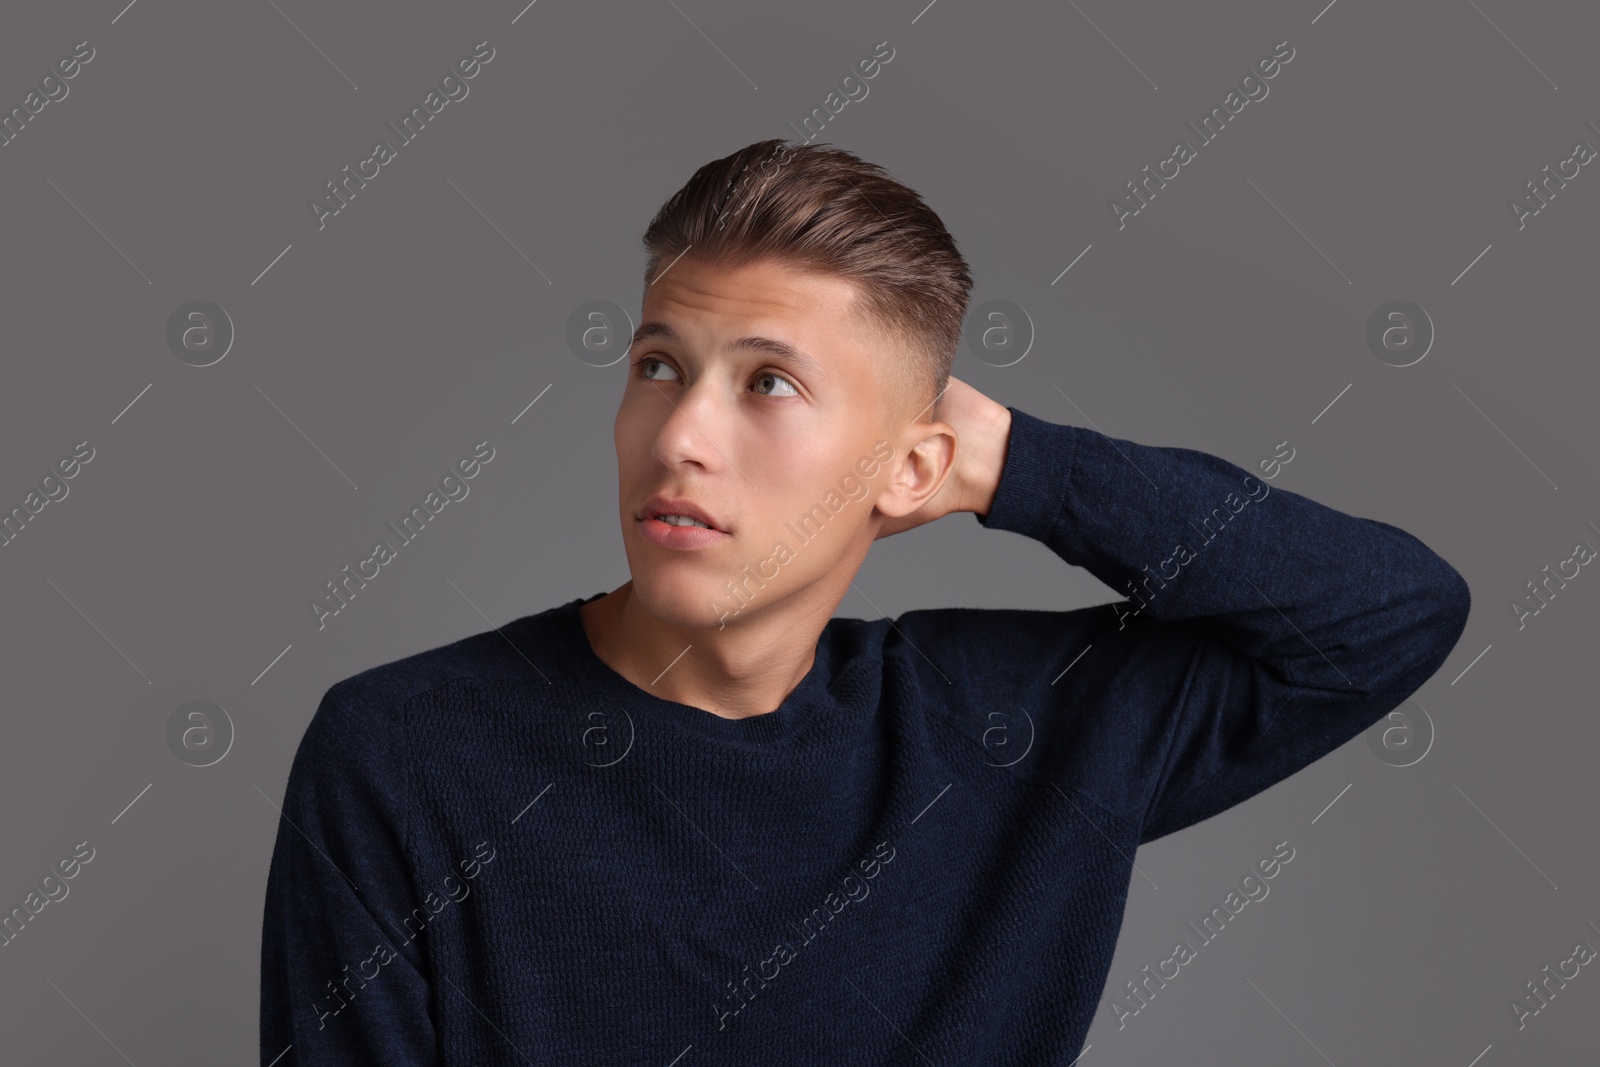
[808, 704]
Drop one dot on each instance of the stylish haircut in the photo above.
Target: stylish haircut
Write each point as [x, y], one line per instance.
[824, 210]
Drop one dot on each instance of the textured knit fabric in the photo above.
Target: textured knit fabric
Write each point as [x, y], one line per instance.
[501, 851]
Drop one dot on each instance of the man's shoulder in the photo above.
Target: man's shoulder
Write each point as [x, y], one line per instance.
[514, 654]
[358, 745]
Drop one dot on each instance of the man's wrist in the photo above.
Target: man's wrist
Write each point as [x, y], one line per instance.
[990, 460]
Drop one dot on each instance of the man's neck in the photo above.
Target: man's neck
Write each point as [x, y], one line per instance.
[733, 672]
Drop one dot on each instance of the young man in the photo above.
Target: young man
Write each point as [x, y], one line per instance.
[698, 820]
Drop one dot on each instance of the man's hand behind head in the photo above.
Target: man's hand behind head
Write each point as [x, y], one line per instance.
[983, 430]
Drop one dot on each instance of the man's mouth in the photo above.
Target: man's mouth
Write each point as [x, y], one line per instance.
[679, 531]
[679, 512]
[683, 520]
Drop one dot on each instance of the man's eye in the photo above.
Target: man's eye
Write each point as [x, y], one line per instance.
[765, 375]
[641, 368]
[644, 369]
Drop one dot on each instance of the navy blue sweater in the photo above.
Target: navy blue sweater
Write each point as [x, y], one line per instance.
[501, 851]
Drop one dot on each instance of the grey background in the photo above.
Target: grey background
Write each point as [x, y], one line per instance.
[180, 563]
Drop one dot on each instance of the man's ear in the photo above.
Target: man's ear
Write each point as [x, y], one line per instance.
[918, 475]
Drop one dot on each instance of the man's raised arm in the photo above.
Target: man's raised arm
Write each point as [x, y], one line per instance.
[1290, 626]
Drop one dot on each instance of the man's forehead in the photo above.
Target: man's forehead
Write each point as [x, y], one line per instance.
[763, 307]
[763, 288]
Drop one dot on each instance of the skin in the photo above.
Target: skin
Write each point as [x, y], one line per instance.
[756, 441]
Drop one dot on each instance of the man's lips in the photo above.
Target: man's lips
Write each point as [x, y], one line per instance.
[667, 535]
[658, 505]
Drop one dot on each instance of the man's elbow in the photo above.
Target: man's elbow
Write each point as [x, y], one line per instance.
[1456, 604]
[1441, 628]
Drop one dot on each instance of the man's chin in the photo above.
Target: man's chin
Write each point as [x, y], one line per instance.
[676, 597]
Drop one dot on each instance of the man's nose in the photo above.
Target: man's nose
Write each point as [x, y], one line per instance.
[692, 429]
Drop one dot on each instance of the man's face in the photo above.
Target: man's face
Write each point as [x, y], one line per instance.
[784, 456]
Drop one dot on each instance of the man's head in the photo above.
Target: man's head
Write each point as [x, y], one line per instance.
[801, 313]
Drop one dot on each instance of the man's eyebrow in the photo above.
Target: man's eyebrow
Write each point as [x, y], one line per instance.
[782, 350]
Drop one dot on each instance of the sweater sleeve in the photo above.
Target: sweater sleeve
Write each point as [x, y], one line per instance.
[341, 980]
[1264, 629]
